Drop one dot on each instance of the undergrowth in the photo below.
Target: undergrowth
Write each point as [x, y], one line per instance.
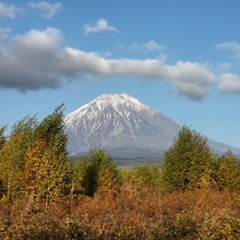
[196, 214]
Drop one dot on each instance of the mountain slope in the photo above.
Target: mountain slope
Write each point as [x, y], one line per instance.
[124, 126]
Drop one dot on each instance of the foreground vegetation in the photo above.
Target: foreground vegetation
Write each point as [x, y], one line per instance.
[197, 214]
[44, 195]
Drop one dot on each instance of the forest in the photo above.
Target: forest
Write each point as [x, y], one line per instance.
[194, 194]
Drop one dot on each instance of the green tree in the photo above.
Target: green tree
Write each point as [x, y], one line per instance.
[101, 171]
[48, 169]
[79, 171]
[228, 173]
[188, 162]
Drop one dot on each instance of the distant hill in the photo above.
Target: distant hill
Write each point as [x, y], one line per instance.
[126, 127]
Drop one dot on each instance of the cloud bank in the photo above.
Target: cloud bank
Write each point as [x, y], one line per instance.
[36, 60]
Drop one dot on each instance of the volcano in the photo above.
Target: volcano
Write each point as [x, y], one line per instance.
[125, 127]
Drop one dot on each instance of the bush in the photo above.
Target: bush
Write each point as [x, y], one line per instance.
[197, 214]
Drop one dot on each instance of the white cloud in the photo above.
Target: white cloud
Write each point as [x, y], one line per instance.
[230, 82]
[8, 10]
[190, 79]
[231, 46]
[36, 60]
[152, 46]
[26, 61]
[100, 26]
[149, 46]
[49, 10]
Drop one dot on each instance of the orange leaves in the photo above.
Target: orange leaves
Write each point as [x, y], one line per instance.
[198, 214]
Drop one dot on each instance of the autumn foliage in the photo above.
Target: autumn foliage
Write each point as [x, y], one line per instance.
[45, 195]
[198, 214]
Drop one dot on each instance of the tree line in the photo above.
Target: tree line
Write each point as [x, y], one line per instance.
[34, 162]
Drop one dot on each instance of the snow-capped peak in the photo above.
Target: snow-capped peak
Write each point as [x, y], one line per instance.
[119, 122]
[116, 100]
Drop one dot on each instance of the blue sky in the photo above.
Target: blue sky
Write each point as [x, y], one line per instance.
[179, 57]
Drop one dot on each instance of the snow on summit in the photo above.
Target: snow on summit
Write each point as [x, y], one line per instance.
[104, 100]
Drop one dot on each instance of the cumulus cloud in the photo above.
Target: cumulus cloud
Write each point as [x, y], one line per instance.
[49, 10]
[100, 26]
[8, 10]
[36, 60]
[230, 82]
[149, 46]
